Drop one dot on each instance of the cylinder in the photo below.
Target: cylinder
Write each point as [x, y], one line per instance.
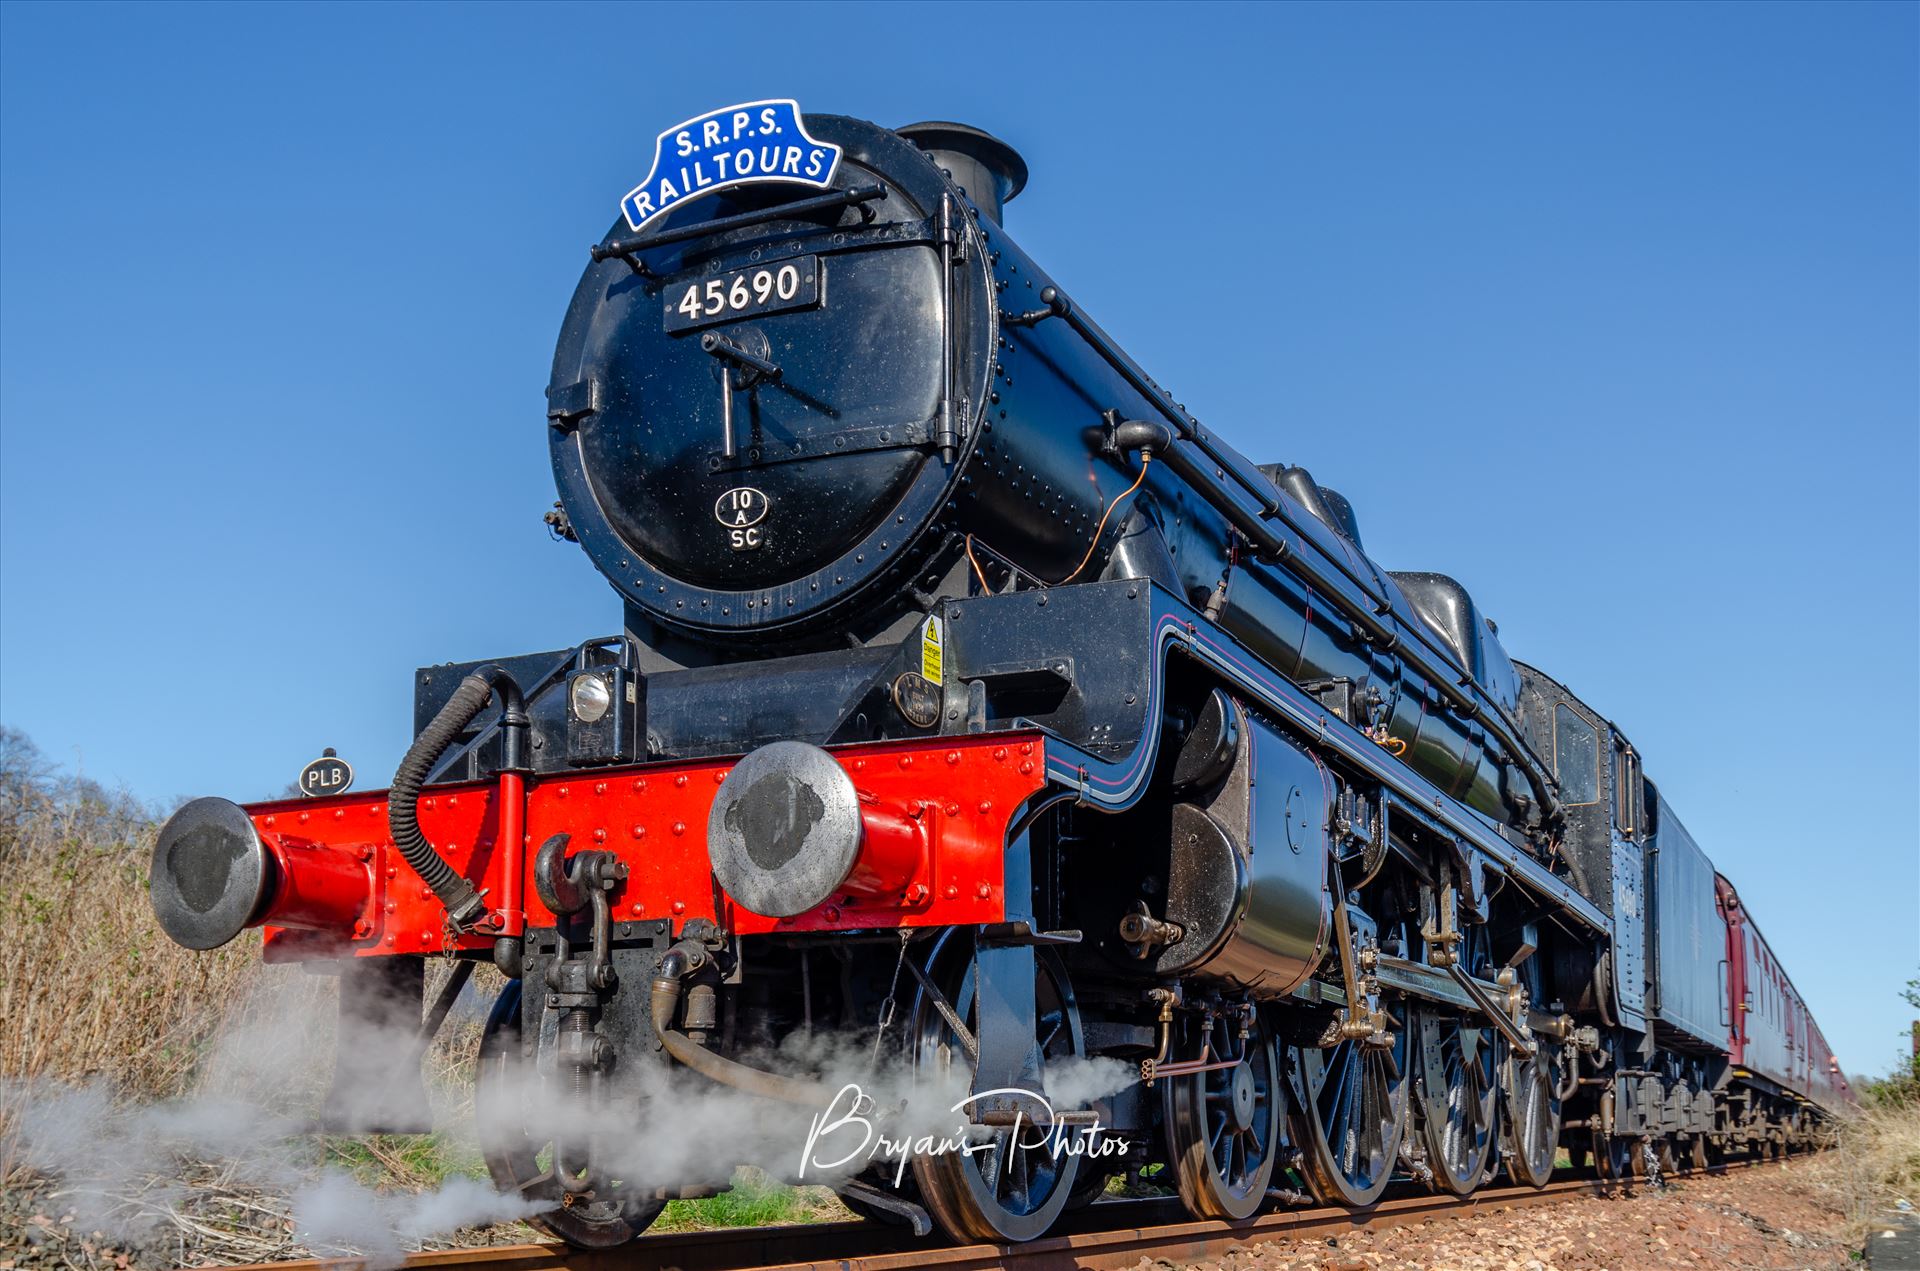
[1247, 875]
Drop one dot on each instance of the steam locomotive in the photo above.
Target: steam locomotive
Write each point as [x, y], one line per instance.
[977, 702]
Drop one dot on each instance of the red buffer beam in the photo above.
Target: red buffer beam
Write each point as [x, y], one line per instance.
[934, 812]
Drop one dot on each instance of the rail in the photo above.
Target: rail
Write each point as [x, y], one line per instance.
[1110, 1236]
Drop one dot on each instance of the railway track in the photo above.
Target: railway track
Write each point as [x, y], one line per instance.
[1109, 1236]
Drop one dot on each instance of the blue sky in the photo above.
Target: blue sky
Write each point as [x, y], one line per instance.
[1609, 311]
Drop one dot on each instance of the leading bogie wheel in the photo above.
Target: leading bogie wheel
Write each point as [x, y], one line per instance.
[1223, 1126]
[510, 1105]
[1010, 1187]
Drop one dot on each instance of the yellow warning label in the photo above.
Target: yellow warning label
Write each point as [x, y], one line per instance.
[932, 651]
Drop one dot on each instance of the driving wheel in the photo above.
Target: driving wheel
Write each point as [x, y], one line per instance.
[1531, 1088]
[1353, 1111]
[1223, 1126]
[1459, 1098]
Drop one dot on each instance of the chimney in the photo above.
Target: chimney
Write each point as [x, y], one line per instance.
[987, 168]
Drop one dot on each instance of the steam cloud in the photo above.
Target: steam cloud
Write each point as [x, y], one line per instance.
[119, 1164]
[671, 1129]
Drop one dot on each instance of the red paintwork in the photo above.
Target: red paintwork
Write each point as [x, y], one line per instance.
[936, 814]
[1729, 903]
[1773, 1033]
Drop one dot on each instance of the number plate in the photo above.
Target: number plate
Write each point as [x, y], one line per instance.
[774, 287]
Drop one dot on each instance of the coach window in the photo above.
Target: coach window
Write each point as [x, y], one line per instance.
[1576, 758]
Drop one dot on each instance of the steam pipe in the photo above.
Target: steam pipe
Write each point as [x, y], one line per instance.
[682, 960]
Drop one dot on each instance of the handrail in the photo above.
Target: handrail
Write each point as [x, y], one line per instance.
[626, 247]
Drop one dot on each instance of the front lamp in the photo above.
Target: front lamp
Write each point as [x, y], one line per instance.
[590, 698]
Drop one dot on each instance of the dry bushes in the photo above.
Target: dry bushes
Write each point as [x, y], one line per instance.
[1875, 1161]
[114, 1037]
[91, 988]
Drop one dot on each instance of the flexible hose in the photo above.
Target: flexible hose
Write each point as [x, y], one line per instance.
[456, 893]
[1603, 988]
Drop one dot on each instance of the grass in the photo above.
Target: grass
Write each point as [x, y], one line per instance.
[754, 1201]
[409, 1160]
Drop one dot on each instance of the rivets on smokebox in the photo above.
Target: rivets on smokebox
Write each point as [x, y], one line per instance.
[599, 787]
[953, 757]
[679, 906]
[986, 806]
[983, 891]
[1000, 753]
[638, 831]
[953, 809]
[680, 782]
[720, 777]
[639, 907]
[906, 761]
[600, 835]
[952, 891]
[639, 785]
[679, 827]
